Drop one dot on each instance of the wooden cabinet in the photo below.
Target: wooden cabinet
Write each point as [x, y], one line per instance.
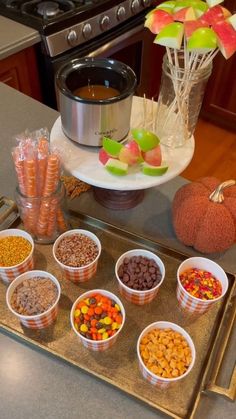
[20, 72]
[219, 105]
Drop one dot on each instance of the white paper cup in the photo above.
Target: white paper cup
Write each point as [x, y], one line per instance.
[83, 273]
[9, 273]
[42, 320]
[189, 303]
[97, 345]
[152, 378]
[137, 296]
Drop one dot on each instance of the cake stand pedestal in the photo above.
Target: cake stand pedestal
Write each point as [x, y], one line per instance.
[117, 200]
[118, 192]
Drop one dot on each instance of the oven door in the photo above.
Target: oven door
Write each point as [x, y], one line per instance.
[130, 43]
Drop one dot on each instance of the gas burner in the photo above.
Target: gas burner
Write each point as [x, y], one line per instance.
[47, 9]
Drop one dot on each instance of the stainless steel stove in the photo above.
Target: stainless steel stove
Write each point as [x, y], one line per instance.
[65, 24]
[97, 28]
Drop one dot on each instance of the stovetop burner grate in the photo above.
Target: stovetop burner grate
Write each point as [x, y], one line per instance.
[47, 9]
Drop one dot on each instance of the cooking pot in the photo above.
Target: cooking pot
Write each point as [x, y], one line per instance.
[87, 120]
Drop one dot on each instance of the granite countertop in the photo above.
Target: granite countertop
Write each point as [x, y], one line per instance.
[36, 385]
[15, 37]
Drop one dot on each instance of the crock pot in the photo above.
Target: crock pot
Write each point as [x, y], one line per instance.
[85, 120]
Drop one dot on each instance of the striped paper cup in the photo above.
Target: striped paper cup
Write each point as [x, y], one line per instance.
[152, 378]
[137, 296]
[189, 303]
[9, 273]
[82, 273]
[97, 345]
[39, 321]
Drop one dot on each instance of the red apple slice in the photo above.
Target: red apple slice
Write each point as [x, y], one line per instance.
[226, 38]
[153, 157]
[191, 25]
[215, 14]
[157, 20]
[187, 13]
[103, 156]
[130, 153]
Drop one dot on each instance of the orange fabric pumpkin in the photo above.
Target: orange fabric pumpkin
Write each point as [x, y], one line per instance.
[204, 214]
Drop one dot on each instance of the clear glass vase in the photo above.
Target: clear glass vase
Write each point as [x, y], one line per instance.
[180, 98]
[45, 218]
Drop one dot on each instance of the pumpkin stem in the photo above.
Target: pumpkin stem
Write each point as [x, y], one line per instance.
[217, 195]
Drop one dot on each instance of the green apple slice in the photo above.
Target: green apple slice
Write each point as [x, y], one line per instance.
[167, 6]
[116, 167]
[171, 35]
[202, 40]
[145, 139]
[112, 147]
[149, 170]
[212, 3]
[232, 21]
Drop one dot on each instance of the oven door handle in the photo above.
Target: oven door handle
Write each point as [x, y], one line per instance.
[114, 42]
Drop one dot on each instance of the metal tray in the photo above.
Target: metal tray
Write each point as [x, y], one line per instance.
[118, 366]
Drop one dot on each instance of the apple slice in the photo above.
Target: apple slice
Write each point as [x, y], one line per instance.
[167, 6]
[232, 21]
[226, 38]
[200, 7]
[215, 14]
[191, 25]
[149, 170]
[112, 147]
[202, 40]
[157, 21]
[130, 153]
[103, 156]
[187, 13]
[116, 167]
[145, 139]
[153, 156]
[214, 2]
[171, 36]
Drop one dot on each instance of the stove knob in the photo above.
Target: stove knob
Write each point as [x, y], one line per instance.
[104, 23]
[146, 3]
[72, 37]
[135, 6]
[121, 12]
[87, 31]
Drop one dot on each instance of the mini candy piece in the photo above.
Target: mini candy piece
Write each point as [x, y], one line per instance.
[157, 20]
[149, 170]
[112, 147]
[232, 21]
[153, 156]
[201, 284]
[145, 139]
[171, 35]
[116, 167]
[100, 317]
[202, 41]
[226, 38]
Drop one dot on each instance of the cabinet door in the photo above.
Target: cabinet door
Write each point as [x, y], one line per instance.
[219, 104]
[20, 72]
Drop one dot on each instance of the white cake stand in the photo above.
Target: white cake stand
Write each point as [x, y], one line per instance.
[119, 191]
